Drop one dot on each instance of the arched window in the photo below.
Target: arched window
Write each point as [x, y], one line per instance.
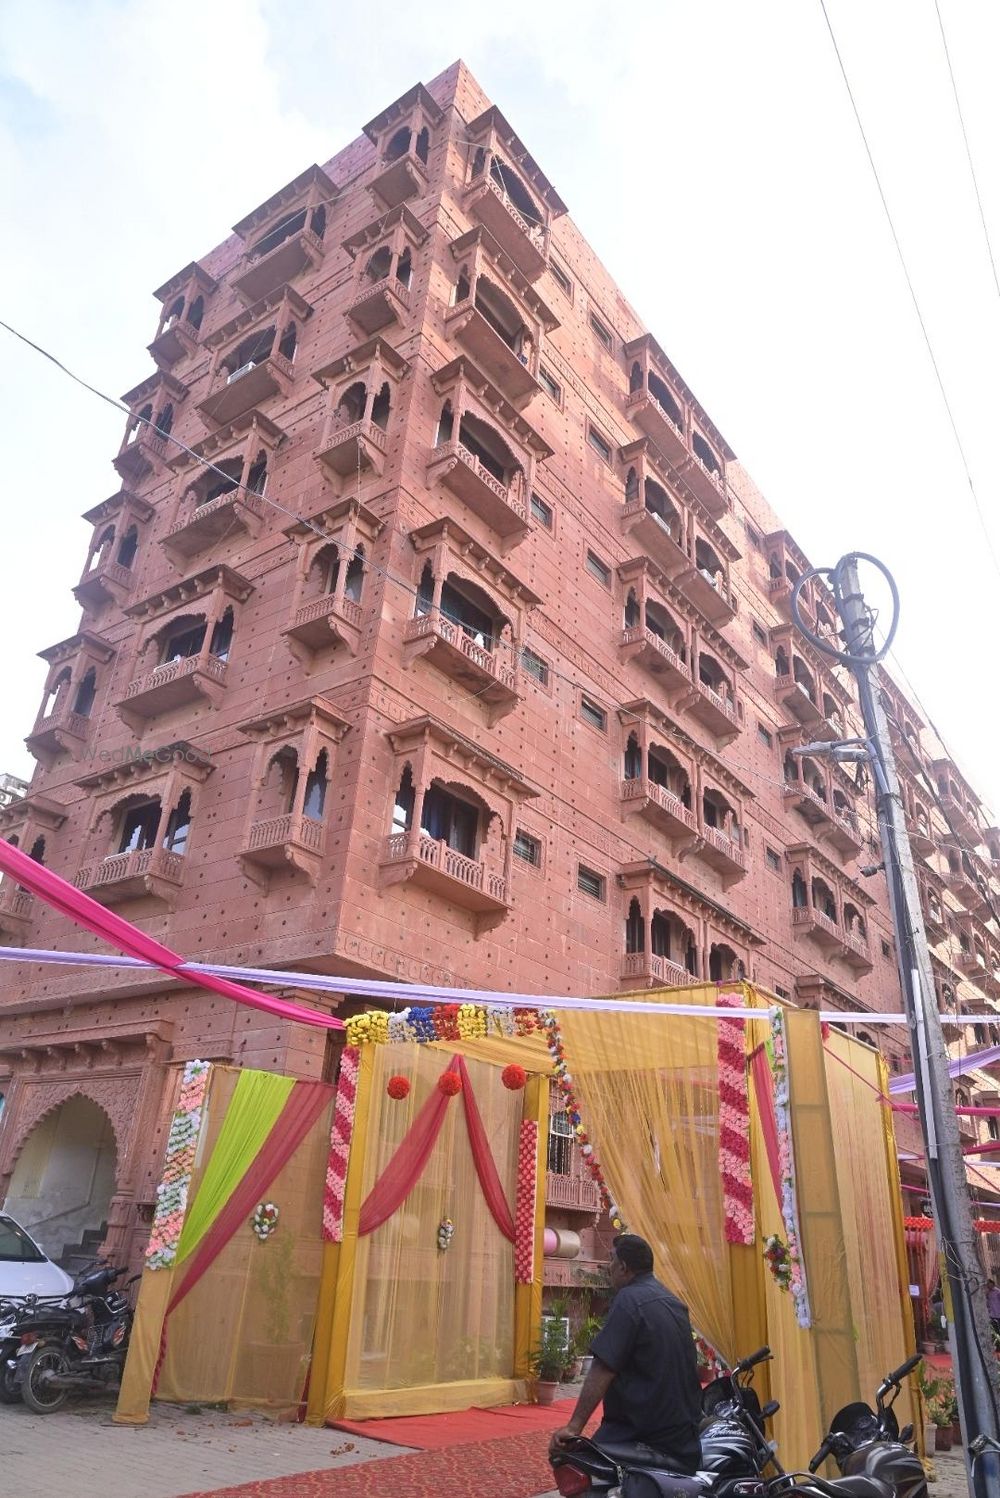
[508, 180]
[664, 399]
[179, 825]
[822, 898]
[85, 693]
[257, 475]
[165, 420]
[379, 265]
[423, 143]
[38, 850]
[633, 759]
[140, 422]
[127, 548]
[635, 928]
[289, 338]
[635, 377]
[398, 144]
[54, 695]
[722, 963]
[478, 162]
[791, 768]
[380, 408]
[451, 819]
[706, 454]
[402, 810]
[354, 579]
[280, 781]
[658, 505]
[138, 825]
[446, 424]
[351, 406]
[800, 895]
[317, 221]
[315, 796]
[174, 311]
[196, 312]
[425, 590]
[253, 350]
[631, 484]
[224, 478]
[222, 637]
[707, 562]
[404, 268]
[101, 548]
[182, 638]
[633, 614]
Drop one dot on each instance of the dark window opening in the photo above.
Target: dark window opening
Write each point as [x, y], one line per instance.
[181, 644]
[487, 447]
[248, 354]
[37, 851]
[773, 860]
[139, 827]
[351, 406]
[423, 144]
[174, 313]
[633, 759]
[315, 796]
[515, 189]
[590, 882]
[398, 144]
[282, 231]
[379, 265]
[380, 408]
[592, 714]
[179, 825]
[222, 637]
[86, 693]
[706, 454]
[165, 420]
[635, 929]
[602, 333]
[224, 479]
[664, 399]
[501, 314]
[541, 512]
[289, 338]
[659, 506]
[127, 547]
[257, 476]
[404, 268]
[800, 894]
[448, 819]
[535, 666]
[561, 279]
[598, 568]
[317, 221]
[196, 312]
[402, 810]
[528, 848]
[549, 384]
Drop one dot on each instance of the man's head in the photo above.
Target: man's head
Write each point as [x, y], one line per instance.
[630, 1256]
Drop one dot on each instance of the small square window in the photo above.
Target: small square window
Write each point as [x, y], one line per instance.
[600, 444]
[886, 948]
[765, 735]
[527, 847]
[758, 631]
[541, 512]
[782, 993]
[550, 384]
[598, 569]
[602, 333]
[773, 860]
[535, 666]
[754, 536]
[561, 279]
[594, 715]
[590, 882]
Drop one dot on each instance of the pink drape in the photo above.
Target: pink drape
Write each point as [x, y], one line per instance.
[407, 1164]
[482, 1155]
[764, 1087]
[305, 1103]
[121, 934]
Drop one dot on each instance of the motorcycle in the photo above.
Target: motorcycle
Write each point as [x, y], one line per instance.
[14, 1312]
[734, 1449]
[873, 1455]
[78, 1344]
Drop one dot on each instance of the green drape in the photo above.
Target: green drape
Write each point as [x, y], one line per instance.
[256, 1105]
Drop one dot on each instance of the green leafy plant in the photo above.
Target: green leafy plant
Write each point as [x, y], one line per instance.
[585, 1334]
[548, 1359]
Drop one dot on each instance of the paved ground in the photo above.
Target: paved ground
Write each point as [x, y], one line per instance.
[79, 1453]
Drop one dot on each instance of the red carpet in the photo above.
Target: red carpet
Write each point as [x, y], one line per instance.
[512, 1467]
[461, 1427]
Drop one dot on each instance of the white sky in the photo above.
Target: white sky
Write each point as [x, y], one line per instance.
[706, 150]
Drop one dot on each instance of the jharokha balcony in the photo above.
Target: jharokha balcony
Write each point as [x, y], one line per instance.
[660, 806]
[360, 446]
[460, 470]
[801, 702]
[723, 853]
[17, 906]
[293, 839]
[654, 972]
[432, 863]
[238, 511]
[720, 714]
[817, 924]
[510, 370]
[330, 620]
[174, 684]
[526, 243]
[107, 581]
[643, 645]
[454, 651]
[154, 872]
[377, 305]
[60, 731]
[572, 1193]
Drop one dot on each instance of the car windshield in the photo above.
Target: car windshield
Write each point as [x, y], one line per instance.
[15, 1245]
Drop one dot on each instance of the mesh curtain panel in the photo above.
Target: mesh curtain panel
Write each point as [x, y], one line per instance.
[244, 1333]
[423, 1316]
[648, 1091]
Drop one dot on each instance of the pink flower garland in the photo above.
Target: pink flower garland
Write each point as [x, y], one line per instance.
[734, 1127]
[524, 1210]
[178, 1164]
[341, 1130]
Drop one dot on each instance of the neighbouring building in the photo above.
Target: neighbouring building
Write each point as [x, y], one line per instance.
[468, 661]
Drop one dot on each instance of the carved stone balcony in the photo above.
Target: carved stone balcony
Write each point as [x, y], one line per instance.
[713, 596]
[17, 908]
[963, 886]
[259, 275]
[454, 652]
[460, 470]
[380, 304]
[959, 817]
[934, 917]
[237, 513]
[719, 714]
[795, 697]
[640, 644]
[660, 807]
[178, 340]
[361, 445]
[140, 456]
[290, 841]
[326, 621]
[708, 486]
[402, 179]
[809, 921]
[526, 244]
[152, 872]
[972, 963]
[650, 971]
[572, 1193]
[510, 371]
[854, 950]
[649, 416]
[175, 684]
[232, 395]
[655, 539]
[722, 852]
[921, 841]
[61, 732]
[108, 582]
[845, 833]
[810, 803]
[431, 863]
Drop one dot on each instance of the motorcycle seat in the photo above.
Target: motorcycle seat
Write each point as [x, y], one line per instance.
[634, 1454]
[853, 1487]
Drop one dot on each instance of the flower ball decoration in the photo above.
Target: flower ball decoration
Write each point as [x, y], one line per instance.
[264, 1219]
[449, 1082]
[398, 1088]
[446, 1228]
[514, 1077]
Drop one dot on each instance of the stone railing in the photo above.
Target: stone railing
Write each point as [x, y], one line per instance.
[717, 700]
[856, 941]
[645, 395]
[572, 1191]
[643, 964]
[436, 854]
[16, 903]
[245, 497]
[641, 788]
[632, 634]
[356, 431]
[535, 232]
[458, 637]
[272, 832]
[117, 867]
[174, 670]
[64, 718]
[725, 844]
[371, 289]
[328, 604]
[258, 255]
[113, 571]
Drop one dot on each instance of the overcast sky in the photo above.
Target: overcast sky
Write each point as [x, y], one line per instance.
[706, 150]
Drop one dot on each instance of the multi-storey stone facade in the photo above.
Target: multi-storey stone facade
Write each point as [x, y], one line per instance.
[469, 660]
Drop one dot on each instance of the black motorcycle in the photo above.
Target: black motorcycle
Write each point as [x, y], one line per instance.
[78, 1344]
[874, 1456]
[734, 1448]
[15, 1314]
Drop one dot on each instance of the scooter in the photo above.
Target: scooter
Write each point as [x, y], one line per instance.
[734, 1451]
[74, 1346]
[874, 1456]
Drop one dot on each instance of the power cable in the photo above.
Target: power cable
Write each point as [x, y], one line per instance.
[968, 148]
[913, 296]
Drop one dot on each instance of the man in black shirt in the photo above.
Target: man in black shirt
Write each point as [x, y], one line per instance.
[645, 1368]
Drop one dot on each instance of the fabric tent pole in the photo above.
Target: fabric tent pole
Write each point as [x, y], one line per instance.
[528, 1298]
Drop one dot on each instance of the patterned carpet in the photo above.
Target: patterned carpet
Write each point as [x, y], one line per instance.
[512, 1467]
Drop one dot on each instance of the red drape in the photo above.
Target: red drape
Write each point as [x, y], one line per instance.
[486, 1170]
[125, 937]
[407, 1164]
[764, 1087]
[305, 1103]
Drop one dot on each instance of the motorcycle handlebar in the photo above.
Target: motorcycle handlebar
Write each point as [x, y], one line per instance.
[904, 1368]
[820, 1457]
[760, 1356]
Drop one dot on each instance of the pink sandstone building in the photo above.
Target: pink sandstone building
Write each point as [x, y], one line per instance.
[468, 661]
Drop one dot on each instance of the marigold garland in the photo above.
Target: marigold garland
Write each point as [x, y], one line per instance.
[424, 1023]
[564, 1081]
[178, 1165]
[786, 1163]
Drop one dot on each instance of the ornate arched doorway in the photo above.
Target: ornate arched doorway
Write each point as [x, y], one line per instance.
[64, 1179]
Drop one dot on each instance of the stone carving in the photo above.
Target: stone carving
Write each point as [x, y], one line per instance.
[117, 1097]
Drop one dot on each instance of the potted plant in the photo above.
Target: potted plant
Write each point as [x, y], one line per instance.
[549, 1359]
[930, 1388]
[941, 1410]
[585, 1334]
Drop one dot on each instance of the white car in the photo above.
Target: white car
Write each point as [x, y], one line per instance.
[24, 1269]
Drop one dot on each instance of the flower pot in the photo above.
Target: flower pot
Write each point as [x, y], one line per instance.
[942, 1438]
[547, 1390]
[586, 1363]
[956, 1434]
[930, 1442]
[571, 1372]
